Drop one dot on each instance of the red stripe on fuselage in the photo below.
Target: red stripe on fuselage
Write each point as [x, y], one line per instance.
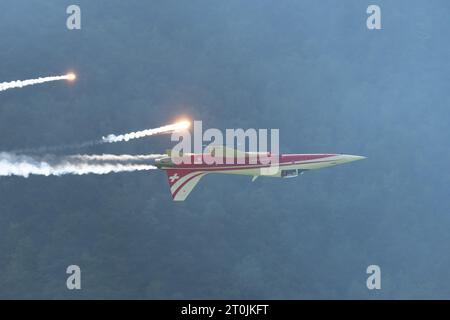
[202, 167]
[189, 163]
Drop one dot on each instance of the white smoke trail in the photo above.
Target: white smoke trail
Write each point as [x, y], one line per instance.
[178, 126]
[182, 125]
[24, 166]
[23, 83]
[113, 157]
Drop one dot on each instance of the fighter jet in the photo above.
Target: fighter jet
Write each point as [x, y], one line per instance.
[183, 175]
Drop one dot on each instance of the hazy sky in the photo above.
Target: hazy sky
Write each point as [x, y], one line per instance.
[309, 68]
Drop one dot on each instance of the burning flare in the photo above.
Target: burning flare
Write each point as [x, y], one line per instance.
[71, 76]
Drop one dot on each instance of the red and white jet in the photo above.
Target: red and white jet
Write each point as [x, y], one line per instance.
[184, 177]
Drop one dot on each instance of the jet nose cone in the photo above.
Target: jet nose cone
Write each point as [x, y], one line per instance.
[350, 158]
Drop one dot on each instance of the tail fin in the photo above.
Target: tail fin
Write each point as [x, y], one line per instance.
[182, 182]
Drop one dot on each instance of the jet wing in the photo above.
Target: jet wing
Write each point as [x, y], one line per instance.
[182, 182]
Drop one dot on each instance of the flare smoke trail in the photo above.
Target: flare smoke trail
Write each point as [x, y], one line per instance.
[178, 126]
[23, 83]
[145, 133]
[24, 166]
[113, 157]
